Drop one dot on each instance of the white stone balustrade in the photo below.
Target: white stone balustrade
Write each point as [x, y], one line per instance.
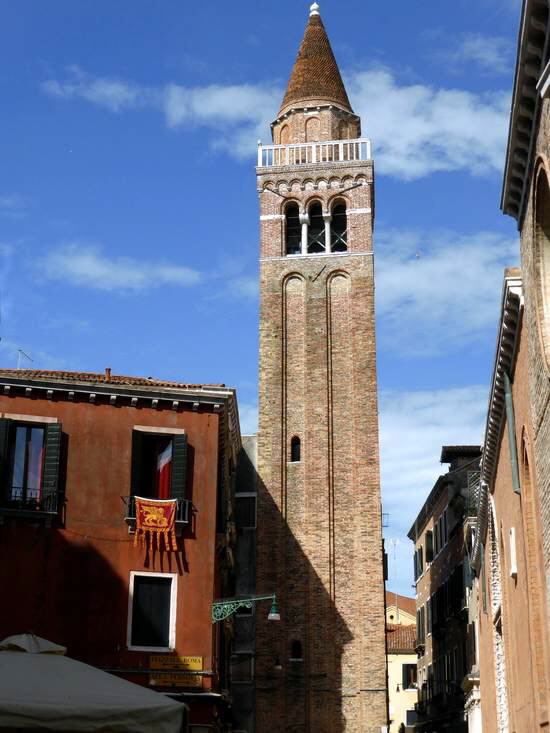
[331, 151]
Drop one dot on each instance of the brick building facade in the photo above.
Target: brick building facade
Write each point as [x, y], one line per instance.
[75, 451]
[442, 585]
[322, 668]
[505, 543]
[526, 197]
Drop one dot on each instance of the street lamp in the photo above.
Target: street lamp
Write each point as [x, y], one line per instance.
[226, 607]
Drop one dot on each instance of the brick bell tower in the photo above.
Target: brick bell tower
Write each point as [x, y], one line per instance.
[322, 667]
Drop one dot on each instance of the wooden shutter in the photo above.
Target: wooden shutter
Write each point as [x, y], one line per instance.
[429, 546]
[136, 480]
[50, 474]
[5, 463]
[179, 466]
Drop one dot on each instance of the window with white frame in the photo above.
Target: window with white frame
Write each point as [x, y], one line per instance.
[152, 611]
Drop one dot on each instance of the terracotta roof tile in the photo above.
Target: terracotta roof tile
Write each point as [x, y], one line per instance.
[315, 75]
[400, 638]
[99, 378]
[404, 603]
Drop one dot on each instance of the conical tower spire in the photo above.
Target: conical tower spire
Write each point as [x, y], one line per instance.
[315, 78]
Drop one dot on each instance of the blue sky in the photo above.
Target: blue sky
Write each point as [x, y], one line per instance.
[128, 209]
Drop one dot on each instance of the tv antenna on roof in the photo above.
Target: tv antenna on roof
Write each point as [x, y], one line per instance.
[21, 353]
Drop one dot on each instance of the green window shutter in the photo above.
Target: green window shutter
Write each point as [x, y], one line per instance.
[52, 455]
[179, 466]
[429, 546]
[136, 480]
[5, 463]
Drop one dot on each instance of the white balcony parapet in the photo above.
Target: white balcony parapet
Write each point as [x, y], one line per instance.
[330, 151]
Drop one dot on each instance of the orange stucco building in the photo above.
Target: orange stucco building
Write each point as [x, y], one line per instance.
[75, 449]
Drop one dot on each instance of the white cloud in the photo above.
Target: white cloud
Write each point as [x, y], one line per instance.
[243, 286]
[439, 290]
[492, 54]
[12, 205]
[418, 129]
[413, 427]
[240, 114]
[248, 416]
[86, 265]
[114, 94]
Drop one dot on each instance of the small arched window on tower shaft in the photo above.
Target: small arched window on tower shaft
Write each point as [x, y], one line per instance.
[316, 229]
[296, 653]
[293, 232]
[339, 229]
[295, 449]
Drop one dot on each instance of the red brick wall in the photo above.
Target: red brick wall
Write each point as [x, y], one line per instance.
[319, 534]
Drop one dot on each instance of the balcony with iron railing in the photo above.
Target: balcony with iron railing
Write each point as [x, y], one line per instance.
[28, 502]
[330, 151]
[183, 512]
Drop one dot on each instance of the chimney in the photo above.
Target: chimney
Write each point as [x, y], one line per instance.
[107, 374]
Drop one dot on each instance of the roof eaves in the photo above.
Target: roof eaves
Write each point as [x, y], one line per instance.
[511, 313]
[532, 49]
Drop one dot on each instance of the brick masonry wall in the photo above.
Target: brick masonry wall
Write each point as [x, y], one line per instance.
[330, 124]
[319, 533]
[537, 334]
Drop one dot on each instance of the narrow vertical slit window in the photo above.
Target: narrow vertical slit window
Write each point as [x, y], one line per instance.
[339, 229]
[293, 230]
[295, 449]
[296, 653]
[316, 230]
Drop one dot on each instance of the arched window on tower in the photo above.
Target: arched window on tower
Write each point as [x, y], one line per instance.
[313, 130]
[316, 229]
[339, 229]
[285, 135]
[295, 450]
[293, 228]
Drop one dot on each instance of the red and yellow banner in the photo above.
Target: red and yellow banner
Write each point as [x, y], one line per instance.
[156, 523]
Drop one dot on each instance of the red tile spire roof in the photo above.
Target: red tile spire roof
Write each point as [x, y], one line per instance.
[315, 78]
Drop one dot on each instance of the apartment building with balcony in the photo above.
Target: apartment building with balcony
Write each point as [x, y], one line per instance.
[76, 449]
[442, 579]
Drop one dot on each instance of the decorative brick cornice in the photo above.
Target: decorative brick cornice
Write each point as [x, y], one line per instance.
[532, 49]
[93, 389]
[509, 328]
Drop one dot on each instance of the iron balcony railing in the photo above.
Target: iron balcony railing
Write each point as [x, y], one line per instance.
[183, 510]
[19, 499]
[330, 151]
